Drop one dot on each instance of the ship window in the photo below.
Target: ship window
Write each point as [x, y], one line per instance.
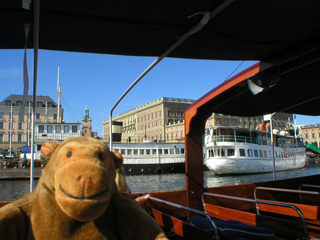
[242, 152]
[171, 151]
[210, 153]
[255, 151]
[154, 151]
[141, 151]
[148, 151]
[250, 154]
[165, 151]
[182, 150]
[135, 151]
[123, 151]
[230, 152]
[264, 153]
[223, 152]
[129, 151]
[260, 153]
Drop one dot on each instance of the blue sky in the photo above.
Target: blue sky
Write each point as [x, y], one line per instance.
[97, 81]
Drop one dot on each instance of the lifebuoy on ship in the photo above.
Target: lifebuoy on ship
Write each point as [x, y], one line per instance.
[158, 170]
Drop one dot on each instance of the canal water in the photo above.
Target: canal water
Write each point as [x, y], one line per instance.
[14, 189]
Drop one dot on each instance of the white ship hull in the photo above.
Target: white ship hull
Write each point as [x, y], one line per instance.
[152, 158]
[229, 155]
[225, 166]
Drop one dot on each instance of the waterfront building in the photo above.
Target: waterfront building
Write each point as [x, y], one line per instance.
[311, 134]
[159, 120]
[20, 133]
[281, 121]
[163, 120]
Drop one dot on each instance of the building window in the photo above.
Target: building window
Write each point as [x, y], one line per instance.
[19, 137]
[9, 115]
[19, 125]
[58, 129]
[74, 129]
[49, 129]
[54, 116]
[1, 125]
[11, 137]
[1, 114]
[41, 129]
[19, 103]
[38, 115]
[8, 103]
[39, 104]
[1, 137]
[66, 129]
[50, 104]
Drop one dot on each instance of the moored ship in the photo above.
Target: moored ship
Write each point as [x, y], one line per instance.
[235, 150]
[152, 158]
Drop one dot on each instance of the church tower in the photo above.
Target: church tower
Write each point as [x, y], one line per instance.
[86, 124]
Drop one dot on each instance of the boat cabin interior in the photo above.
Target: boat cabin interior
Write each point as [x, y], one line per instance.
[282, 36]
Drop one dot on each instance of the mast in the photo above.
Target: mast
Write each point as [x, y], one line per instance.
[28, 126]
[59, 96]
[11, 121]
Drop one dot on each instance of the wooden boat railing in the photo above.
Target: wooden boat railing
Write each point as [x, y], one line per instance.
[178, 228]
[278, 224]
[310, 211]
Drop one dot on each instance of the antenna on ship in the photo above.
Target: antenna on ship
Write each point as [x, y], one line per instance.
[59, 96]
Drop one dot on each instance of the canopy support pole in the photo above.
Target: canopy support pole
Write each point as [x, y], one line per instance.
[205, 19]
[35, 76]
[272, 143]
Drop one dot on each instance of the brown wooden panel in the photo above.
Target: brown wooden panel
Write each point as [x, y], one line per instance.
[282, 227]
[309, 211]
[228, 214]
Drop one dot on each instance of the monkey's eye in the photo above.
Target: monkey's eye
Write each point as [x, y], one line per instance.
[69, 154]
[100, 156]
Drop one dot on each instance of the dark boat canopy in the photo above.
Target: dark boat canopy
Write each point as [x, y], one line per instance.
[242, 30]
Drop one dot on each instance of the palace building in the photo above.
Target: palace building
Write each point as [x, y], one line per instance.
[160, 120]
[163, 120]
